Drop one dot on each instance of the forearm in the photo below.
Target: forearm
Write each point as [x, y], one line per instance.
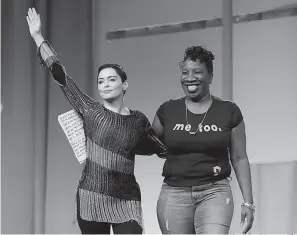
[48, 57]
[38, 38]
[241, 167]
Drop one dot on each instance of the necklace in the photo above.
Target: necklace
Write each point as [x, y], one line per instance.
[188, 126]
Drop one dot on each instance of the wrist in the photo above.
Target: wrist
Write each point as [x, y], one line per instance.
[249, 201]
[249, 206]
[38, 38]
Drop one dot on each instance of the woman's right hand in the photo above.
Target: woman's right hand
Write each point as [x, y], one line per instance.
[34, 24]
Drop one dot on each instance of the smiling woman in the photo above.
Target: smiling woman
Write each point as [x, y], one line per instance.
[196, 75]
[201, 131]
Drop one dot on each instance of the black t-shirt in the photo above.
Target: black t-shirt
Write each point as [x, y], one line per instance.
[201, 158]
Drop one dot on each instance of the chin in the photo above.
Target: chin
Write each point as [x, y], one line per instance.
[110, 98]
[191, 95]
[194, 96]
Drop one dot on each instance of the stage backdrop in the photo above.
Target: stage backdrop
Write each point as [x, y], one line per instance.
[264, 62]
[39, 172]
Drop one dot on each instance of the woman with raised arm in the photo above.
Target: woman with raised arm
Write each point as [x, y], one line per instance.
[108, 194]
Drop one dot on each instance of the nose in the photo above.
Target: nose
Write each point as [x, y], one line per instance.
[106, 83]
[191, 78]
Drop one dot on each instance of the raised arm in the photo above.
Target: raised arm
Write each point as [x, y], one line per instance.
[48, 57]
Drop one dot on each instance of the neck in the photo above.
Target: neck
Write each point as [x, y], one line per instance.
[116, 105]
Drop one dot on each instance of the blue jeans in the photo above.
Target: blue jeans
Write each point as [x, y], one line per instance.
[198, 209]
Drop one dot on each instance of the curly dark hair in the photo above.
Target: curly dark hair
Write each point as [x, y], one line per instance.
[199, 52]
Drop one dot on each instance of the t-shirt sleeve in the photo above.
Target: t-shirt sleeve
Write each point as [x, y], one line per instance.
[161, 113]
[236, 116]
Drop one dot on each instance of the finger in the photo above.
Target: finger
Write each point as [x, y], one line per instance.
[249, 224]
[28, 20]
[29, 14]
[34, 12]
[38, 18]
[31, 11]
[243, 215]
[247, 228]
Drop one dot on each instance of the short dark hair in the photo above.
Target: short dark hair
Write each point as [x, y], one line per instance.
[119, 70]
[199, 52]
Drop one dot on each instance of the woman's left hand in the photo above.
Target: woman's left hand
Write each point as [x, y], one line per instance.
[247, 216]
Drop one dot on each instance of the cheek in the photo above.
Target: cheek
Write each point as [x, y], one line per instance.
[99, 87]
[182, 79]
[118, 86]
[208, 80]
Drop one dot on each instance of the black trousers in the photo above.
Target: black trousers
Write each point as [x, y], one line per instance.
[93, 227]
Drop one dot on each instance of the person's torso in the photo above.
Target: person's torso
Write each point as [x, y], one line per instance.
[111, 139]
[202, 155]
[114, 132]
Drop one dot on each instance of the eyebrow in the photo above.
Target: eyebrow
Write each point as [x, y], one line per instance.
[199, 69]
[108, 77]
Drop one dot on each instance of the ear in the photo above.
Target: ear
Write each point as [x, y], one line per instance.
[210, 79]
[125, 85]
